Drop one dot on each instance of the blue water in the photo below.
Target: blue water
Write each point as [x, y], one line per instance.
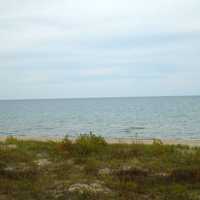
[158, 117]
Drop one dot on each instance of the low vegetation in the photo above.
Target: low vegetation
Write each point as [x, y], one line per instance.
[90, 169]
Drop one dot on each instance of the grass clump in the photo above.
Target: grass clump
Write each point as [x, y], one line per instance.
[65, 145]
[88, 144]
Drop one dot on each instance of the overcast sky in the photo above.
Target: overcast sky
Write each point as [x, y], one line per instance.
[97, 48]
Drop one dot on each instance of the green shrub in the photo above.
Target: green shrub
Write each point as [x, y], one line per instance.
[91, 166]
[11, 140]
[65, 144]
[89, 143]
[157, 141]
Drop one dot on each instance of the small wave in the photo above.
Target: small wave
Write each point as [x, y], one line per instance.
[136, 128]
[133, 128]
[43, 128]
[7, 133]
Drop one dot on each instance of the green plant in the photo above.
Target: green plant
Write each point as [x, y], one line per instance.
[89, 143]
[65, 144]
[11, 140]
[91, 166]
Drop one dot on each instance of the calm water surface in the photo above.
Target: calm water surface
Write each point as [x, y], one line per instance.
[160, 117]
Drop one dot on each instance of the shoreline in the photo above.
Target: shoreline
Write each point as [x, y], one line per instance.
[189, 142]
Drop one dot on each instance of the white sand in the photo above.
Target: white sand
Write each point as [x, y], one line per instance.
[189, 142]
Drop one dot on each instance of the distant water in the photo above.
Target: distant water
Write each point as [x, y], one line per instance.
[158, 117]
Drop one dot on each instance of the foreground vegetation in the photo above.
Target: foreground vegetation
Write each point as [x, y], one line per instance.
[89, 168]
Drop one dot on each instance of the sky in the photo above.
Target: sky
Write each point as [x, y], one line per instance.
[99, 48]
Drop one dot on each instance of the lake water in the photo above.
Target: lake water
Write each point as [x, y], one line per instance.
[157, 117]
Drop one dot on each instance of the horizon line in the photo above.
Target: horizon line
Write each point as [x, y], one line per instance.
[105, 97]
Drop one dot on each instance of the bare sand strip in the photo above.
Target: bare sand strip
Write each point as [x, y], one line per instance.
[189, 142]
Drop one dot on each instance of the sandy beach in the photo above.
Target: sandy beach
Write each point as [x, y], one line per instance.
[189, 142]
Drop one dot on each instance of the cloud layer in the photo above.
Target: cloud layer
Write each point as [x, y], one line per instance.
[75, 48]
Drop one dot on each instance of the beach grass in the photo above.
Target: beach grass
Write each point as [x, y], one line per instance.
[90, 168]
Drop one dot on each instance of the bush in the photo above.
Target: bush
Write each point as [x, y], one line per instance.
[65, 145]
[157, 142]
[89, 143]
[11, 140]
[91, 166]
